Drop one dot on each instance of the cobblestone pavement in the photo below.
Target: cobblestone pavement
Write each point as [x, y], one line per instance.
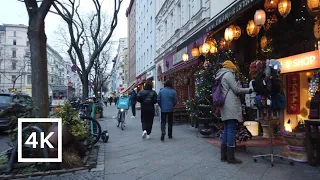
[129, 157]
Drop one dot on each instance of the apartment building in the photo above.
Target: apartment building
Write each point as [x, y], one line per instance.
[145, 41]
[131, 16]
[118, 76]
[15, 63]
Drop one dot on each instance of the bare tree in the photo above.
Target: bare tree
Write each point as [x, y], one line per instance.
[101, 74]
[16, 72]
[89, 34]
[37, 12]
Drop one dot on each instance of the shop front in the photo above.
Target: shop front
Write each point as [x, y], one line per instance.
[150, 77]
[140, 80]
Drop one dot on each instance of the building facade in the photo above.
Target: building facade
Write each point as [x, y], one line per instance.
[15, 63]
[126, 68]
[145, 40]
[119, 65]
[131, 15]
[176, 20]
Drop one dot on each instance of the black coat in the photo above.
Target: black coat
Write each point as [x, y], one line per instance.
[147, 98]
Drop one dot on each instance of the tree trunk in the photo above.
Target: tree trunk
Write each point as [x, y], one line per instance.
[38, 48]
[85, 85]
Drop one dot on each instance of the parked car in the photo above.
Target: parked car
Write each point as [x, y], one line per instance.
[5, 100]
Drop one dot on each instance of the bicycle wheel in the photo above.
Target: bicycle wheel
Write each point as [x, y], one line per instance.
[93, 129]
[122, 121]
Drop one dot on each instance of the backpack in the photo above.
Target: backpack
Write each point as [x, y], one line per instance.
[217, 97]
[123, 103]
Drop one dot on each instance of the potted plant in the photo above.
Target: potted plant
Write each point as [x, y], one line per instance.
[98, 111]
[296, 141]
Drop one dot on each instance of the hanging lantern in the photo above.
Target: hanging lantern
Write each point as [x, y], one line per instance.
[228, 34]
[237, 33]
[200, 49]
[313, 7]
[260, 17]
[205, 48]
[316, 29]
[264, 42]
[271, 5]
[252, 29]
[213, 49]
[185, 57]
[195, 51]
[284, 7]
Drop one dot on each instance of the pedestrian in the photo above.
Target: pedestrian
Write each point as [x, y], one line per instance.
[167, 100]
[115, 100]
[147, 99]
[110, 100]
[133, 101]
[231, 112]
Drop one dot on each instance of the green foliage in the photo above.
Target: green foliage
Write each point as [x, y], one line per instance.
[70, 158]
[98, 109]
[3, 159]
[70, 117]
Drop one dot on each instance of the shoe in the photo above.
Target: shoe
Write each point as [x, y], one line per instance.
[162, 136]
[148, 136]
[170, 137]
[144, 133]
[230, 156]
[132, 117]
[224, 156]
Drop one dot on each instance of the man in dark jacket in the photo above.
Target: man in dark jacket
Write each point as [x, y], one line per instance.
[167, 100]
[147, 99]
[133, 102]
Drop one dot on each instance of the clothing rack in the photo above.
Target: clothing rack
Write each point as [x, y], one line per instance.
[269, 114]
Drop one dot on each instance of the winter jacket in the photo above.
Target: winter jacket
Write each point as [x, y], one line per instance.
[147, 98]
[167, 99]
[133, 97]
[232, 107]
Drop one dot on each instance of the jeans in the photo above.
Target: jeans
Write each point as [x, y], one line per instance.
[229, 132]
[164, 117]
[147, 117]
[133, 108]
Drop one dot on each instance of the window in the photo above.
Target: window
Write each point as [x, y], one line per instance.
[13, 78]
[28, 43]
[14, 42]
[14, 53]
[52, 69]
[14, 65]
[29, 79]
[151, 25]
[52, 81]
[0, 78]
[189, 12]
[14, 34]
[29, 66]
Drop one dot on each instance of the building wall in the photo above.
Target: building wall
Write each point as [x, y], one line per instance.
[126, 68]
[15, 61]
[119, 66]
[131, 15]
[145, 36]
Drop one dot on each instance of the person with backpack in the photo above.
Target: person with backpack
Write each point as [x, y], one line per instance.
[147, 99]
[167, 100]
[226, 96]
[133, 101]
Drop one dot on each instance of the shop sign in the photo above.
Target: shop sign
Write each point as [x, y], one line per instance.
[301, 62]
[149, 74]
[177, 57]
[228, 13]
[58, 102]
[293, 94]
[140, 79]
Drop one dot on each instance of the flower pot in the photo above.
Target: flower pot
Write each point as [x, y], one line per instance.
[298, 154]
[295, 141]
[265, 127]
[66, 135]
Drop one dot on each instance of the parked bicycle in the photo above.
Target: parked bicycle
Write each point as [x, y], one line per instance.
[94, 127]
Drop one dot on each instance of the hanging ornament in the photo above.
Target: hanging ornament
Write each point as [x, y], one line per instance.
[205, 48]
[316, 29]
[313, 7]
[195, 51]
[229, 33]
[271, 5]
[213, 46]
[260, 18]
[237, 33]
[252, 29]
[185, 57]
[200, 49]
[284, 7]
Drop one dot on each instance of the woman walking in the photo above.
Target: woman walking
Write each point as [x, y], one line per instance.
[147, 99]
[231, 112]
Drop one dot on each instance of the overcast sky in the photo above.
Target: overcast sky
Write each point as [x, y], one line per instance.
[14, 12]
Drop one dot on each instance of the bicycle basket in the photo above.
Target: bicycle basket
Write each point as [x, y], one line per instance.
[123, 103]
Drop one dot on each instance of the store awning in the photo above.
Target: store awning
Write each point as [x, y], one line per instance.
[130, 87]
[181, 66]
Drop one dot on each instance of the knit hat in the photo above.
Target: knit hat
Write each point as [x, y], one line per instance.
[229, 64]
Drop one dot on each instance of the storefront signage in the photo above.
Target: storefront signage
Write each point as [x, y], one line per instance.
[293, 94]
[58, 102]
[177, 57]
[228, 13]
[140, 79]
[149, 74]
[301, 62]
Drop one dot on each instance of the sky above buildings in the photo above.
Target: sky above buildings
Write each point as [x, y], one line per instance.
[14, 12]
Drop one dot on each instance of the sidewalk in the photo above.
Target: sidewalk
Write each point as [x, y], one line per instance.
[129, 157]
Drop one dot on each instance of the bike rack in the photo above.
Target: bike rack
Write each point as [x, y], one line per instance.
[15, 149]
